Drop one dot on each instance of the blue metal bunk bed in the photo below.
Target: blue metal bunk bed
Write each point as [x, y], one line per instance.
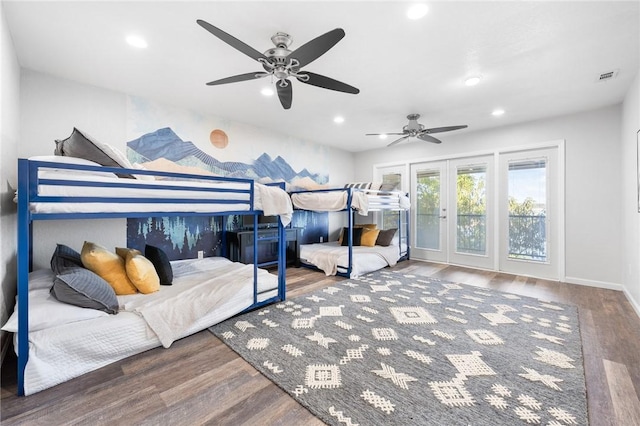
[232, 197]
[350, 209]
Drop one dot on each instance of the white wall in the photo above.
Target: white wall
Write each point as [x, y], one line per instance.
[630, 188]
[51, 107]
[9, 137]
[592, 190]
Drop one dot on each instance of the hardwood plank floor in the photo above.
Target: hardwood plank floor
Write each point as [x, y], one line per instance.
[199, 380]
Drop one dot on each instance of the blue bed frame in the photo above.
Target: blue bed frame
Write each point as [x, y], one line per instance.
[404, 231]
[28, 183]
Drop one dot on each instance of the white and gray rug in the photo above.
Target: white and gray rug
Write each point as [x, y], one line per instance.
[394, 349]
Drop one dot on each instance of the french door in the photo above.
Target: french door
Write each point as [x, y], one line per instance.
[530, 212]
[459, 216]
[429, 211]
[452, 211]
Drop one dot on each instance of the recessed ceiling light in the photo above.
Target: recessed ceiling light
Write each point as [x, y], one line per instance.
[472, 81]
[338, 120]
[267, 91]
[137, 41]
[497, 112]
[383, 136]
[417, 11]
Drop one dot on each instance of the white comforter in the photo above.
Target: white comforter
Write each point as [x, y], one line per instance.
[331, 256]
[201, 288]
[330, 201]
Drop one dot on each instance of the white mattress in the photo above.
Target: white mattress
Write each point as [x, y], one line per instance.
[331, 257]
[63, 352]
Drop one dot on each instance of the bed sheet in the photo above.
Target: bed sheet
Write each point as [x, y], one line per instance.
[332, 257]
[60, 353]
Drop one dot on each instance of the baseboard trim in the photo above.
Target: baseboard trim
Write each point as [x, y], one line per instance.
[634, 303]
[593, 283]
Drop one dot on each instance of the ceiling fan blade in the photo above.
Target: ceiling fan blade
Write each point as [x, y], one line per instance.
[399, 140]
[383, 134]
[285, 93]
[427, 138]
[444, 129]
[317, 47]
[327, 83]
[231, 40]
[240, 77]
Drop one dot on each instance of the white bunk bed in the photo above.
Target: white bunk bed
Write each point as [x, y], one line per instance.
[335, 258]
[51, 352]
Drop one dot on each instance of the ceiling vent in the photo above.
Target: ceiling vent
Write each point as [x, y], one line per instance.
[606, 76]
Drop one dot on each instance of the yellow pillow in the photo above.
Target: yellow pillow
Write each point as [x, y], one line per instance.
[369, 237]
[141, 272]
[359, 225]
[122, 252]
[107, 265]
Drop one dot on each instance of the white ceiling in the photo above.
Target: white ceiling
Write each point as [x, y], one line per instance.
[537, 59]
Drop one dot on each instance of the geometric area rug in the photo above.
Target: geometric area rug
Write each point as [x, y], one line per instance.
[389, 348]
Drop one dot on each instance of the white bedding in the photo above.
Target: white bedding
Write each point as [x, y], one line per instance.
[62, 352]
[363, 201]
[330, 201]
[331, 257]
[272, 200]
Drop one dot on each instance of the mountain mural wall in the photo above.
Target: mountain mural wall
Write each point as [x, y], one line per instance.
[164, 147]
[184, 237]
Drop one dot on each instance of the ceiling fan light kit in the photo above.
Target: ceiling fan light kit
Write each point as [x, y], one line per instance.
[281, 63]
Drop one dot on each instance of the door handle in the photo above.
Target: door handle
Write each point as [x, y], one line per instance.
[443, 217]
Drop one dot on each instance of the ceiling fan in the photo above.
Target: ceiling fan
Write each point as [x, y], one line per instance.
[282, 63]
[417, 130]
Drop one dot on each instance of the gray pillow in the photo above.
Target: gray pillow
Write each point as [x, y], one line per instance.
[65, 257]
[81, 145]
[385, 237]
[81, 287]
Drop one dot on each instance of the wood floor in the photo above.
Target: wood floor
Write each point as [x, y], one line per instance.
[201, 381]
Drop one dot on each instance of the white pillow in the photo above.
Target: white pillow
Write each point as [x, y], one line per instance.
[68, 160]
[46, 312]
[41, 279]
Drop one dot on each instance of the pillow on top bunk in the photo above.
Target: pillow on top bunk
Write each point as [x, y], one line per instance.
[358, 185]
[48, 173]
[83, 288]
[107, 265]
[65, 257]
[369, 237]
[160, 262]
[385, 237]
[357, 236]
[81, 145]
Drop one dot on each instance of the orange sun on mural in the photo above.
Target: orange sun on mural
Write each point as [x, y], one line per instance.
[219, 139]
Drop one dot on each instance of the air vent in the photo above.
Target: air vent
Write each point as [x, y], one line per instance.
[606, 76]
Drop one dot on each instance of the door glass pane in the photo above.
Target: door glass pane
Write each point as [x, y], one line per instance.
[527, 210]
[390, 218]
[428, 209]
[471, 220]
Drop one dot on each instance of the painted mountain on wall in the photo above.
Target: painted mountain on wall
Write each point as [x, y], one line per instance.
[165, 150]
